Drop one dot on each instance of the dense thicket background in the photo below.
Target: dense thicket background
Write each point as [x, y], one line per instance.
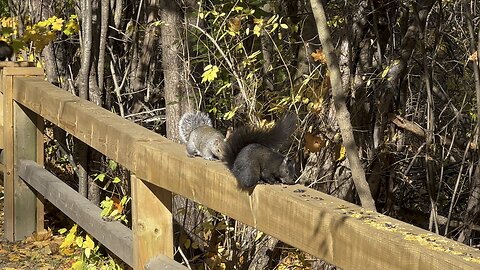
[408, 71]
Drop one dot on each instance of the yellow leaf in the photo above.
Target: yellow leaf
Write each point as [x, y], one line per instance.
[258, 21]
[229, 115]
[78, 265]
[79, 241]
[72, 26]
[385, 72]
[88, 252]
[73, 230]
[68, 251]
[57, 24]
[210, 73]
[42, 23]
[341, 153]
[88, 243]
[259, 235]
[256, 30]
[69, 239]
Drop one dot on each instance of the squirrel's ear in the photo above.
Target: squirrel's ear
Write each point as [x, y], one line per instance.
[229, 133]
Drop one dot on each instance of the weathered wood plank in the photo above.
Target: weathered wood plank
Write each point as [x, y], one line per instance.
[23, 71]
[23, 212]
[326, 227]
[24, 147]
[9, 214]
[113, 235]
[16, 64]
[152, 222]
[39, 158]
[164, 263]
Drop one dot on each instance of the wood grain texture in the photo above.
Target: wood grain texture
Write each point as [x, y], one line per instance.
[9, 218]
[24, 147]
[326, 227]
[23, 211]
[152, 222]
[164, 263]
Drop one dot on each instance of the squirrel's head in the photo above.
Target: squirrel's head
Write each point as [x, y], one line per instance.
[218, 149]
[287, 171]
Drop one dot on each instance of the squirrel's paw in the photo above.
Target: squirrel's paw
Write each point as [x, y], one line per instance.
[190, 155]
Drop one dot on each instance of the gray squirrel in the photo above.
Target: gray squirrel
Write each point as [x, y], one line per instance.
[201, 138]
[6, 51]
[251, 153]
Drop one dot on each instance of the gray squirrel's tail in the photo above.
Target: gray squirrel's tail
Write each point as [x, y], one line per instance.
[272, 138]
[190, 121]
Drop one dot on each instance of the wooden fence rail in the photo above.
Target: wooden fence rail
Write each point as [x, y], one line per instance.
[326, 227]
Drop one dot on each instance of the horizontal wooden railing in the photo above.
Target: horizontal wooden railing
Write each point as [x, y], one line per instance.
[326, 227]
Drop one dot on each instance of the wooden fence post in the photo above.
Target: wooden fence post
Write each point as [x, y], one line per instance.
[23, 139]
[152, 222]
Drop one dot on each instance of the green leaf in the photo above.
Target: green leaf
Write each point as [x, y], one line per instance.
[187, 243]
[107, 206]
[124, 200]
[100, 177]
[112, 165]
[116, 180]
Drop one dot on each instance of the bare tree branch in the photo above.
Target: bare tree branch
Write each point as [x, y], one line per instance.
[342, 114]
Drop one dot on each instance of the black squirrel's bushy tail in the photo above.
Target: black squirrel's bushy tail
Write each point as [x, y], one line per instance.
[272, 138]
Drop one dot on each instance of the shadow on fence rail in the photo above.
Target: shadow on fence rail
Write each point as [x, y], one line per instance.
[331, 229]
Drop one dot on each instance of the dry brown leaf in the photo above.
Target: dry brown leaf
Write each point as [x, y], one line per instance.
[318, 55]
[473, 57]
[314, 143]
[117, 204]
[235, 24]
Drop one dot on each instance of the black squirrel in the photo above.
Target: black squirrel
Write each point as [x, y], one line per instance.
[6, 51]
[251, 153]
[201, 138]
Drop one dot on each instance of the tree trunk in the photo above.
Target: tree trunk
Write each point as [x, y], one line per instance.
[342, 114]
[85, 15]
[176, 87]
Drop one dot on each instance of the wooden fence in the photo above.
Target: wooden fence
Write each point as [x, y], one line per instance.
[326, 227]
